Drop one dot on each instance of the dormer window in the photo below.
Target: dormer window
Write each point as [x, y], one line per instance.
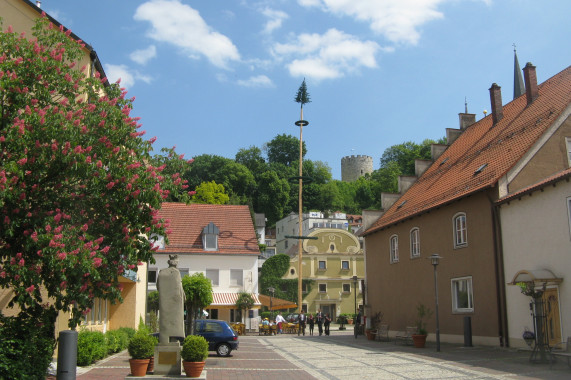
[210, 237]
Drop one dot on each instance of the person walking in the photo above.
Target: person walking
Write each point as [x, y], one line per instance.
[301, 319]
[319, 320]
[311, 323]
[280, 321]
[327, 323]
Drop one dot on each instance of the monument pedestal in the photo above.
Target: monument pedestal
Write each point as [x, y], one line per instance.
[168, 360]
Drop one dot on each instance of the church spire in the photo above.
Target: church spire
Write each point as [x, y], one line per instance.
[519, 88]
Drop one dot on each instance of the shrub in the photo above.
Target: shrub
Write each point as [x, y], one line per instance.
[194, 349]
[129, 331]
[91, 346]
[142, 345]
[116, 341]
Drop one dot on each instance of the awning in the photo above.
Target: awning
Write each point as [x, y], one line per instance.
[277, 303]
[228, 301]
[539, 276]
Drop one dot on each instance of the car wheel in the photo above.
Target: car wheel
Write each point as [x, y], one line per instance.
[223, 349]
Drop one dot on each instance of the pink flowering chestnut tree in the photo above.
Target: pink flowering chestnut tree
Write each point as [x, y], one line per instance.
[78, 189]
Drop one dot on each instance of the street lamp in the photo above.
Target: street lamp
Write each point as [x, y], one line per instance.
[271, 290]
[434, 259]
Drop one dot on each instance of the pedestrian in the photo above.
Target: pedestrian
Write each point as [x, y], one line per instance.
[311, 323]
[280, 321]
[326, 323]
[319, 321]
[301, 319]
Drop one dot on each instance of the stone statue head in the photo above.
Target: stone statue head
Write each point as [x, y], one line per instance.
[173, 261]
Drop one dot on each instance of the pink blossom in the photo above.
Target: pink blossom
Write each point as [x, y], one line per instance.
[63, 285]
[110, 185]
[61, 255]
[31, 289]
[21, 263]
[84, 227]
[2, 274]
[97, 262]
[22, 161]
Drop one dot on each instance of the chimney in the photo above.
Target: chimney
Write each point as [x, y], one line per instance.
[496, 100]
[530, 77]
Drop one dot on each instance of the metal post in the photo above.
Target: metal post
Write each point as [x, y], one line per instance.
[67, 355]
[434, 260]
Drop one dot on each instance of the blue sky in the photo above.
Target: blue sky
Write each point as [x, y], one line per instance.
[214, 76]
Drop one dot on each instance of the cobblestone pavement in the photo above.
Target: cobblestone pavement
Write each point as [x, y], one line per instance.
[341, 356]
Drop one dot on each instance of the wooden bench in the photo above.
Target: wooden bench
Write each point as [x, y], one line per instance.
[562, 349]
[406, 335]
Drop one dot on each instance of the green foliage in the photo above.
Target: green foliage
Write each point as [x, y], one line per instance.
[284, 149]
[116, 341]
[26, 348]
[91, 346]
[153, 322]
[153, 301]
[302, 96]
[252, 159]
[198, 293]
[272, 196]
[275, 266]
[422, 313]
[142, 345]
[271, 275]
[130, 332]
[210, 193]
[244, 302]
[194, 349]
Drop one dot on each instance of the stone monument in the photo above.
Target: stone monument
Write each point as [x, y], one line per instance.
[171, 320]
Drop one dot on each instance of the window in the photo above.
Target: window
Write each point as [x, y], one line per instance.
[158, 241]
[212, 274]
[286, 243]
[345, 264]
[292, 271]
[152, 276]
[322, 288]
[568, 143]
[210, 237]
[236, 277]
[460, 231]
[394, 249]
[346, 288]
[415, 242]
[322, 265]
[183, 272]
[304, 287]
[462, 298]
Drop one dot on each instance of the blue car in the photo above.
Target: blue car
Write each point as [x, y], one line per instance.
[219, 335]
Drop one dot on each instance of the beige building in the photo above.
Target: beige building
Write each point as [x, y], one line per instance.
[331, 261]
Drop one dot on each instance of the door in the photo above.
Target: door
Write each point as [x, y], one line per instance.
[551, 302]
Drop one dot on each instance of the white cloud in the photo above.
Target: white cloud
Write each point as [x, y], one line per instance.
[327, 56]
[182, 26]
[397, 20]
[275, 19]
[257, 81]
[143, 56]
[128, 76]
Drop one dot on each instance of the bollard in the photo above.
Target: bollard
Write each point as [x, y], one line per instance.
[67, 355]
[467, 332]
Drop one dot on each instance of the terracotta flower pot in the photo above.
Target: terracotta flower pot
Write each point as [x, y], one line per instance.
[419, 340]
[151, 367]
[139, 366]
[193, 369]
[370, 334]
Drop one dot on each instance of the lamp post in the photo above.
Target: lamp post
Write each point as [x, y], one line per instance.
[434, 259]
[271, 290]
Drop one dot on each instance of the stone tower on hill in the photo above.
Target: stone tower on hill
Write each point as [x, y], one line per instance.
[353, 167]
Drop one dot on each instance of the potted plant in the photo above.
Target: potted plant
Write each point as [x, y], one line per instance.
[194, 353]
[141, 348]
[419, 339]
[375, 322]
[342, 321]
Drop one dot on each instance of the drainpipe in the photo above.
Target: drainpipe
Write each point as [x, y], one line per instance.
[500, 278]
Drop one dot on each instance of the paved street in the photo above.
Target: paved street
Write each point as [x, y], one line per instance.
[340, 356]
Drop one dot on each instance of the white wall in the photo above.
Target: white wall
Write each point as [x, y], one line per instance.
[536, 235]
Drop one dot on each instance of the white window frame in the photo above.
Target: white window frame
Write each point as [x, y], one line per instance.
[394, 248]
[210, 242]
[348, 264]
[460, 232]
[236, 277]
[319, 264]
[343, 287]
[183, 272]
[415, 243]
[469, 290]
[319, 288]
[568, 144]
[217, 271]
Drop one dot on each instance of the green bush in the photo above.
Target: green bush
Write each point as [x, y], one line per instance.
[142, 345]
[116, 340]
[26, 347]
[194, 349]
[91, 346]
[129, 331]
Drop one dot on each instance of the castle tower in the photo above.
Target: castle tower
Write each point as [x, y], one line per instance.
[353, 167]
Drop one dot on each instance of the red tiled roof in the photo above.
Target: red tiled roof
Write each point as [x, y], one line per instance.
[236, 236]
[565, 174]
[500, 146]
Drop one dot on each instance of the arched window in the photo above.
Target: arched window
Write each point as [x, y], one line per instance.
[460, 230]
[415, 242]
[394, 247]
